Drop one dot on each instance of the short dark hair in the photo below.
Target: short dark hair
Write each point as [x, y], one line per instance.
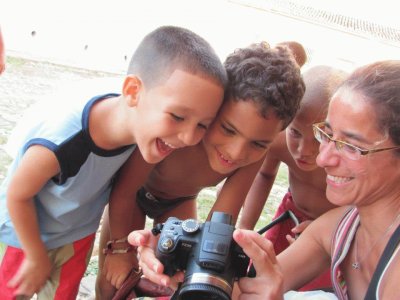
[268, 76]
[379, 83]
[168, 48]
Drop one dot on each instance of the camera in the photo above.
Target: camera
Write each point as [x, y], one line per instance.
[206, 252]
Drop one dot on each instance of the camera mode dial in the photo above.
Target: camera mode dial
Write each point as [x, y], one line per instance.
[190, 226]
[167, 244]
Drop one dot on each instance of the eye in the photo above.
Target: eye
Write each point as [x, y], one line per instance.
[294, 133]
[176, 117]
[349, 148]
[203, 126]
[260, 145]
[325, 137]
[227, 130]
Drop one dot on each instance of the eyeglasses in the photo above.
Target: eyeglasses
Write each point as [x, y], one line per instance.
[350, 151]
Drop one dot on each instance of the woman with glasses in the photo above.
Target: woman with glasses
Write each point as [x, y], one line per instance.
[360, 152]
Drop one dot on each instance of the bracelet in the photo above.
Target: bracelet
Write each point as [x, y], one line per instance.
[110, 248]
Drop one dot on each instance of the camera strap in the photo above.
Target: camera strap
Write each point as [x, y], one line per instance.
[282, 217]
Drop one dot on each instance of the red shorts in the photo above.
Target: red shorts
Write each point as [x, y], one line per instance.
[277, 235]
[69, 265]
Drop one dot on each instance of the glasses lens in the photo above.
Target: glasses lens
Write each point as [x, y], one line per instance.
[348, 150]
[320, 135]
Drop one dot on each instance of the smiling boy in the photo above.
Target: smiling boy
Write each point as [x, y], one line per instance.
[263, 94]
[55, 191]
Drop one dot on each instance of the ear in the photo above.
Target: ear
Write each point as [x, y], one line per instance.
[131, 89]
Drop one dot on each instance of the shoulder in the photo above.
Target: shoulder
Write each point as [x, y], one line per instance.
[333, 216]
[325, 226]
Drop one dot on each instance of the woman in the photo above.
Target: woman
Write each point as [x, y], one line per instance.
[360, 151]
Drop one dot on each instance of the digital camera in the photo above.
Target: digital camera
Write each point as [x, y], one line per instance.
[206, 252]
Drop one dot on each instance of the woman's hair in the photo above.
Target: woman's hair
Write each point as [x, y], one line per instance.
[269, 77]
[379, 82]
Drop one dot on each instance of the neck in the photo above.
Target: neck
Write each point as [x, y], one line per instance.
[107, 124]
[383, 213]
[373, 246]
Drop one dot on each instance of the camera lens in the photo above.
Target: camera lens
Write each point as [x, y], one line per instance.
[205, 286]
[202, 292]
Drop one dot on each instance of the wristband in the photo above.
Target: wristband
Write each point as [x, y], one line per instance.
[112, 248]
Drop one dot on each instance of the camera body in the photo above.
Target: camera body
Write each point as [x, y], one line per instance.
[206, 252]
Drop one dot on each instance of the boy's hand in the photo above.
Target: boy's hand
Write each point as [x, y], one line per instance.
[31, 276]
[297, 230]
[262, 253]
[117, 267]
[152, 268]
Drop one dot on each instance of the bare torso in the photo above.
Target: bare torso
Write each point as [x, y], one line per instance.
[183, 173]
[307, 187]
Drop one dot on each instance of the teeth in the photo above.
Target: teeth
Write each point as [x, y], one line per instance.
[169, 145]
[338, 179]
[227, 160]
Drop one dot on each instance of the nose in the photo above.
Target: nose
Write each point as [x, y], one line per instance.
[237, 150]
[308, 147]
[328, 155]
[191, 135]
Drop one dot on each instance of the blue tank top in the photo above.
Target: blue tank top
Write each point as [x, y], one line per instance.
[69, 207]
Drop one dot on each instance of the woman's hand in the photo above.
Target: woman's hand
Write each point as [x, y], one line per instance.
[268, 284]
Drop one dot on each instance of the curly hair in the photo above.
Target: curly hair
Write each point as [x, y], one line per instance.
[268, 76]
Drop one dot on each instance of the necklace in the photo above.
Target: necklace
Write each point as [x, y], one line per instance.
[356, 265]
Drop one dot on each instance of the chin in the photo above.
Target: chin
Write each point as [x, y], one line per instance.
[217, 167]
[152, 159]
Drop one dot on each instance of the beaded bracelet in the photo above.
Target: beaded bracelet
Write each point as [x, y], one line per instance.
[110, 248]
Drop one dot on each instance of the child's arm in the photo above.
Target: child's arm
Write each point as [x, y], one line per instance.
[259, 191]
[131, 178]
[124, 217]
[36, 168]
[233, 192]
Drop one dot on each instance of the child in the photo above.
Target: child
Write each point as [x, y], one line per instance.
[54, 194]
[298, 149]
[262, 97]
[298, 51]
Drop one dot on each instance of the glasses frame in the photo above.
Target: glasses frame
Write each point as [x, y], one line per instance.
[339, 144]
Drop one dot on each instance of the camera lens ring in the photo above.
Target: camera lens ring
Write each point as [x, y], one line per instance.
[208, 279]
[201, 291]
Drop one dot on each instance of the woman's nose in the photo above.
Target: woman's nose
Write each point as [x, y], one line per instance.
[328, 155]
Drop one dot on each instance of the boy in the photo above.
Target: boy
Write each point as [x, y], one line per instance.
[54, 194]
[262, 97]
[298, 149]
[298, 51]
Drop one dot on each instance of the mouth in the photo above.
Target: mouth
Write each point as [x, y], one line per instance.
[338, 179]
[304, 162]
[225, 161]
[164, 147]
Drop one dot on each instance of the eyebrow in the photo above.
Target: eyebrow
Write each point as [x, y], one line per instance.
[186, 110]
[351, 135]
[254, 140]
